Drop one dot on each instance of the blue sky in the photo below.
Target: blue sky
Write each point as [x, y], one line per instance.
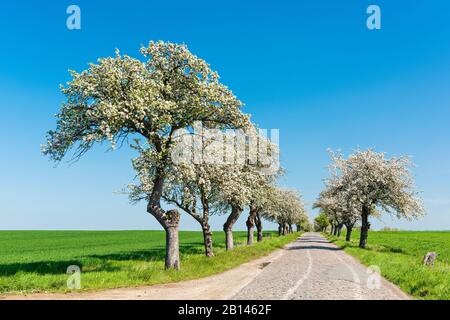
[310, 68]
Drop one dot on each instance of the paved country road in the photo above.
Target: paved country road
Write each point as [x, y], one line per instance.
[309, 268]
[314, 268]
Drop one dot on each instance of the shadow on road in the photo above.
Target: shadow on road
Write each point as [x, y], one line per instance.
[313, 247]
[312, 243]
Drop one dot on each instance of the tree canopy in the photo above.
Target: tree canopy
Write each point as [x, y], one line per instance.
[368, 180]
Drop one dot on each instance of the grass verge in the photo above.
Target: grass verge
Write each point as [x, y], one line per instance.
[399, 255]
[37, 261]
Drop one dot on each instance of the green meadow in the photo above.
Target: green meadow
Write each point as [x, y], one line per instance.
[399, 254]
[37, 261]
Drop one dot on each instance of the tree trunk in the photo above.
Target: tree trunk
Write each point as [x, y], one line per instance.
[299, 228]
[170, 221]
[290, 228]
[332, 229]
[207, 237]
[339, 230]
[279, 230]
[228, 226]
[206, 229]
[364, 227]
[250, 233]
[259, 227]
[349, 232]
[251, 222]
[207, 233]
[172, 248]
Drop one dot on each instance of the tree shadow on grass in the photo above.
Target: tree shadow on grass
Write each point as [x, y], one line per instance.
[40, 267]
[99, 262]
[373, 248]
[391, 249]
[154, 254]
[104, 262]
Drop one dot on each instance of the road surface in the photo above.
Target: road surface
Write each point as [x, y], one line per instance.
[314, 268]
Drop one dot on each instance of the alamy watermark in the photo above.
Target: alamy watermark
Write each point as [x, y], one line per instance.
[373, 22]
[73, 21]
[374, 277]
[204, 145]
[74, 279]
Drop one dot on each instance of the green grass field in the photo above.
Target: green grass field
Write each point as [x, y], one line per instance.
[399, 255]
[34, 261]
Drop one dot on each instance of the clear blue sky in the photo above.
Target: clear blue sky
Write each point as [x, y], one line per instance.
[310, 68]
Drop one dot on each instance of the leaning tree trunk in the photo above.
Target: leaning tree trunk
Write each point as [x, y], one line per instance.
[259, 227]
[335, 229]
[251, 221]
[339, 230]
[207, 233]
[349, 228]
[280, 230]
[364, 227]
[332, 229]
[228, 226]
[204, 221]
[206, 229]
[207, 238]
[170, 221]
[286, 229]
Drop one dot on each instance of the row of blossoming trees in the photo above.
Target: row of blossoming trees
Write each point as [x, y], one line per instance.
[157, 103]
[364, 185]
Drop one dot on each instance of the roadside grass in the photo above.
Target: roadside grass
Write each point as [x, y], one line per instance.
[37, 261]
[399, 255]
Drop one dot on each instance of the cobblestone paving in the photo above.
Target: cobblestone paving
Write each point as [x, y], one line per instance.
[314, 268]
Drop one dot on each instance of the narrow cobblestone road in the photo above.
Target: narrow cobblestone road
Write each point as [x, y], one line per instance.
[314, 268]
